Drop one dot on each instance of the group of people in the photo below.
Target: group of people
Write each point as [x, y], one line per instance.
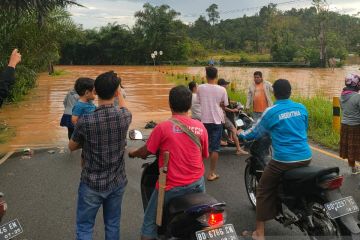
[211, 106]
[101, 134]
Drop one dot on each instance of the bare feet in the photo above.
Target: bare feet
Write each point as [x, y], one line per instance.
[213, 177]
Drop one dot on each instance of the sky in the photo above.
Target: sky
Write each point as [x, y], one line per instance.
[100, 12]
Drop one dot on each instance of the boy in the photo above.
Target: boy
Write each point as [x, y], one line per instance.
[84, 87]
[102, 136]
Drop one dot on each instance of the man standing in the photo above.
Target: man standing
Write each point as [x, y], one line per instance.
[102, 136]
[259, 95]
[7, 77]
[287, 123]
[213, 99]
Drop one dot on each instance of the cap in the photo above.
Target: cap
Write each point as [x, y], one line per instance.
[222, 82]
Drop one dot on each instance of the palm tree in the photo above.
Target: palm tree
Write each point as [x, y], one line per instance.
[41, 7]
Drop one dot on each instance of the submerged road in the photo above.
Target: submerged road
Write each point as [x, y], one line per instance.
[42, 192]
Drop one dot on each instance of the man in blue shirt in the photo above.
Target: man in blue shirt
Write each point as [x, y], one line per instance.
[287, 123]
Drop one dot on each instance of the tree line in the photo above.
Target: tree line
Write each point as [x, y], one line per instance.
[294, 35]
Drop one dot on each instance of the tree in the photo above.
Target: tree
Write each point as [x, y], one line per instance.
[214, 17]
[322, 9]
[161, 31]
[41, 7]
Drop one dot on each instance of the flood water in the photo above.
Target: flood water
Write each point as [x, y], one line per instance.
[36, 119]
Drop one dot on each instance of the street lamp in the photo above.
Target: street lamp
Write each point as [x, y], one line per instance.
[156, 53]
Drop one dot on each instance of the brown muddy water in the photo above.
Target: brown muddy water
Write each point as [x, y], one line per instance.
[36, 119]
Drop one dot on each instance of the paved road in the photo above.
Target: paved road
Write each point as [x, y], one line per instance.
[42, 193]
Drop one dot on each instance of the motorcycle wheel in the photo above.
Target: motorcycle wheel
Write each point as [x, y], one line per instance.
[325, 228]
[250, 185]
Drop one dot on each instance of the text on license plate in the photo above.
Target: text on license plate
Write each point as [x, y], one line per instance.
[341, 207]
[10, 230]
[225, 232]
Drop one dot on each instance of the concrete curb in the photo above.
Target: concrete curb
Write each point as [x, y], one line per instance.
[18, 152]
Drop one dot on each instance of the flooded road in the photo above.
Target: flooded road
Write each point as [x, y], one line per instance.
[306, 82]
[36, 119]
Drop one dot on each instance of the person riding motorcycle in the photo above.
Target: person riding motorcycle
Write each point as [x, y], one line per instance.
[286, 122]
[186, 167]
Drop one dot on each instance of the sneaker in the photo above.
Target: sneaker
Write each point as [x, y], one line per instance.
[355, 170]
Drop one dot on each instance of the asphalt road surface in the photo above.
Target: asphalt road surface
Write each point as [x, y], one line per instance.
[42, 192]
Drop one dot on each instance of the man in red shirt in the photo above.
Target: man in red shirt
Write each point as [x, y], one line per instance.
[186, 167]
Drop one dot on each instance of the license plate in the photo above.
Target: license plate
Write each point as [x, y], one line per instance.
[225, 232]
[341, 207]
[10, 230]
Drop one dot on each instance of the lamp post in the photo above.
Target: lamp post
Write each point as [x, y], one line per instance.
[155, 54]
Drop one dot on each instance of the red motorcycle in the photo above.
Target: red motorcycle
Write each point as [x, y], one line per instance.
[3, 206]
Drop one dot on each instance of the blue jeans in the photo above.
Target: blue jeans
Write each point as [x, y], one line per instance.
[89, 202]
[149, 228]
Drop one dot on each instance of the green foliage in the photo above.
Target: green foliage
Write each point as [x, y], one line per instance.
[38, 45]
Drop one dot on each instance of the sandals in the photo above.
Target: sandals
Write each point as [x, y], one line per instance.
[213, 177]
[248, 235]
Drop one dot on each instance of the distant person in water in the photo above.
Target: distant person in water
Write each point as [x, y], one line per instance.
[7, 77]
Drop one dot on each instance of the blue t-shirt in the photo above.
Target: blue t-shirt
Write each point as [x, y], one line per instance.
[82, 108]
[287, 124]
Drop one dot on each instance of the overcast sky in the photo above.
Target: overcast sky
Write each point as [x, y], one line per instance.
[100, 12]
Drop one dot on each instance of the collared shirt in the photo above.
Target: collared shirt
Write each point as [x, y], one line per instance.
[287, 124]
[103, 137]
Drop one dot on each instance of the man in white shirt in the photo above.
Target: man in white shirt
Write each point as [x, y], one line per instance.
[212, 98]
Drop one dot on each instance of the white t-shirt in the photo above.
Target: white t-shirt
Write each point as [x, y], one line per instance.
[195, 107]
[210, 97]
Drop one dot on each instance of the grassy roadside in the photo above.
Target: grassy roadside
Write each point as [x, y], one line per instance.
[6, 132]
[319, 108]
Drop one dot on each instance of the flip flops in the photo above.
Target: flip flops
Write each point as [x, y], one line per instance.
[248, 235]
[213, 177]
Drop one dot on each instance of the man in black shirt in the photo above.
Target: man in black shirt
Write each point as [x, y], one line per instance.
[7, 77]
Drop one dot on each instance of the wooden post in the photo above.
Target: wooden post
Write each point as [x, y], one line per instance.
[336, 114]
[162, 186]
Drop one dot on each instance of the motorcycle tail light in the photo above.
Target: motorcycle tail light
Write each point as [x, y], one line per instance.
[213, 219]
[333, 183]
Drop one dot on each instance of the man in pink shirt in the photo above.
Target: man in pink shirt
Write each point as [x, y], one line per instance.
[186, 167]
[213, 99]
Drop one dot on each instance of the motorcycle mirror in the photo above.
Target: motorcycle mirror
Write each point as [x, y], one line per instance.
[239, 123]
[135, 135]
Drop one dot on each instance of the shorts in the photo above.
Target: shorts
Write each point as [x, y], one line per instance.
[228, 124]
[214, 134]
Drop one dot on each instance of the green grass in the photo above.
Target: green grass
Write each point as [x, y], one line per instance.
[319, 108]
[60, 72]
[6, 133]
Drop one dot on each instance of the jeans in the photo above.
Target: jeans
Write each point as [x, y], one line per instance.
[89, 202]
[149, 228]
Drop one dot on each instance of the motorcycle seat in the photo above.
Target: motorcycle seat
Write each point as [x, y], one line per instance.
[309, 173]
[183, 203]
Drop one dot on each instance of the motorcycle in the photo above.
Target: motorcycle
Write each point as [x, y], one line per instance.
[241, 120]
[11, 229]
[3, 206]
[309, 198]
[192, 216]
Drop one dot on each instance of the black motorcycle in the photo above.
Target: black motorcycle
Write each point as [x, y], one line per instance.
[192, 216]
[309, 197]
[241, 120]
